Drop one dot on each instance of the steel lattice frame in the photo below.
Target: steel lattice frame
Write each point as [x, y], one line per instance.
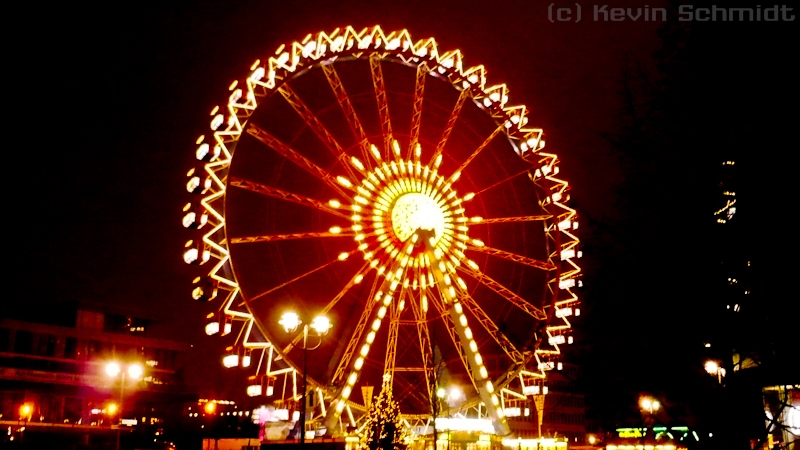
[378, 179]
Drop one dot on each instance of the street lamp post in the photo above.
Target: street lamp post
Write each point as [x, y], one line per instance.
[453, 396]
[651, 406]
[713, 368]
[440, 395]
[134, 371]
[321, 324]
[25, 412]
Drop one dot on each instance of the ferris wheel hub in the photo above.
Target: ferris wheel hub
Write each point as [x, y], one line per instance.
[398, 199]
[415, 211]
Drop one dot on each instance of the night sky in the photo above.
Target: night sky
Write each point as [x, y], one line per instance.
[105, 104]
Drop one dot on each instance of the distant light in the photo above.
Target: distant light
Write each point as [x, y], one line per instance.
[231, 360]
[455, 394]
[566, 284]
[254, 390]
[135, 371]
[190, 255]
[649, 404]
[196, 253]
[113, 369]
[531, 390]
[466, 424]
[321, 325]
[290, 321]
[26, 410]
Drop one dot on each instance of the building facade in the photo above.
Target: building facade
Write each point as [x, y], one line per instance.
[53, 377]
[562, 409]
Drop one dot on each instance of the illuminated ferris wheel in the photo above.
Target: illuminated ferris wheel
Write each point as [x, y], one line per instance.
[379, 181]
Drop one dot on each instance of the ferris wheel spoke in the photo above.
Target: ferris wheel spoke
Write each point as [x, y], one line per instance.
[492, 328]
[478, 150]
[505, 180]
[285, 195]
[395, 311]
[355, 337]
[513, 257]
[416, 116]
[424, 339]
[451, 123]
[286, 237]
[504, 292]
[479, 221]
[287, 283]
[383, 298]
[410, 390]
[391, 345]
[316, 126]
[295, 157]
[383, 105]
[349, 113]
[475, 366]
[451, 330]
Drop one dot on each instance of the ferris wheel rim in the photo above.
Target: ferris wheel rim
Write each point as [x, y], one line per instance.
[498, 111]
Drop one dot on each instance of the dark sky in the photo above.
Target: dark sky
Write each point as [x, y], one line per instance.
[106, 103]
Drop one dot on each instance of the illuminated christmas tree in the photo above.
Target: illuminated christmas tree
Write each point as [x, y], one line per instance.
[383, 428]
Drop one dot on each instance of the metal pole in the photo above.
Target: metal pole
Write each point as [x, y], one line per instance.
[121, 397]
[303, 397]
